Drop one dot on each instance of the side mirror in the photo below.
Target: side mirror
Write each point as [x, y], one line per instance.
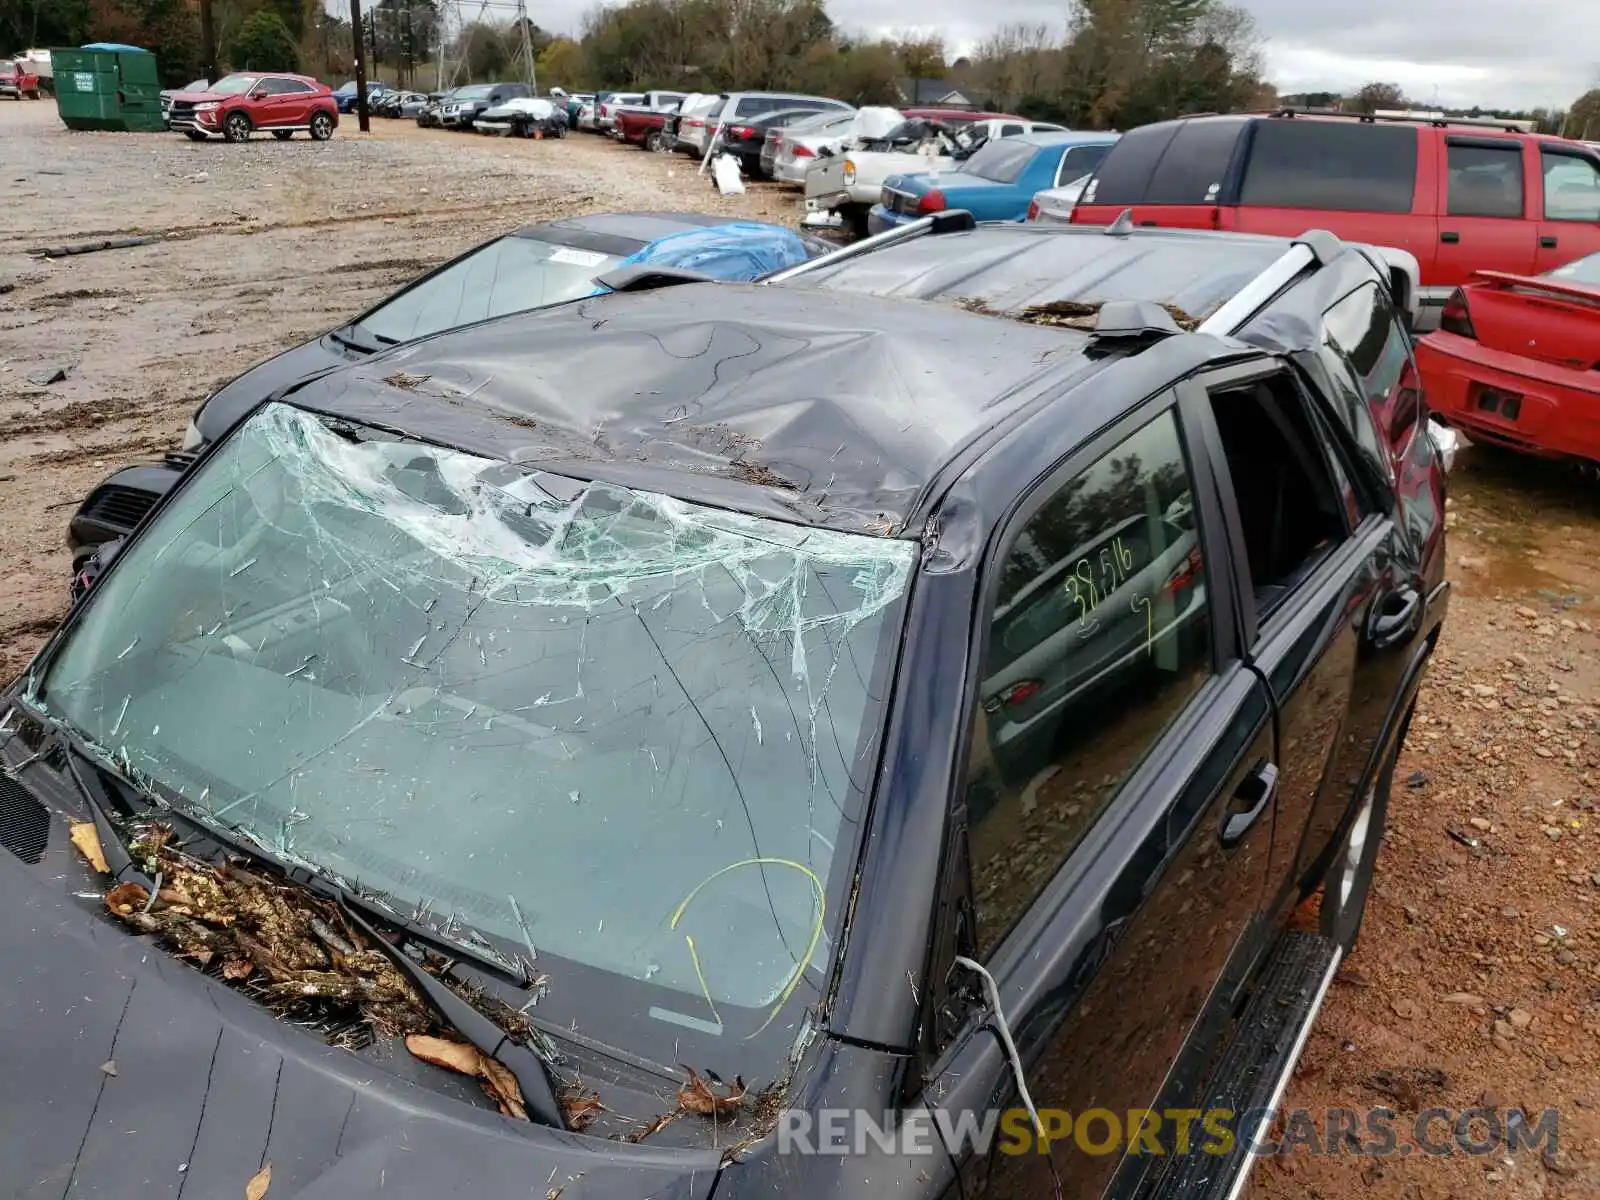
[94, 566]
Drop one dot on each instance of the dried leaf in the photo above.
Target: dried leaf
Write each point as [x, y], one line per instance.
[256, 1189]
[452, 1056]
[696, 1096]
[654, 1126]
[581, 1110]
[502, 1087]
[237, 968]
[126, 899]
[87, 839]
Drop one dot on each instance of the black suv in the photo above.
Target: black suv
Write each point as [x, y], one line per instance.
[900, 691]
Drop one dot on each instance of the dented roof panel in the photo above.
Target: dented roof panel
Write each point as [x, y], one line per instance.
[1008, 268]
[841, 409]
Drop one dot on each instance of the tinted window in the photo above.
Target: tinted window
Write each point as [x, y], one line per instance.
[506, 276]
[1097, 637]
[1571, 187]
[1344, 166]
[1362, 331]
[1011, 129]
[1125, 173]
[1196, 160]
[1000, 160]
[1485, 181]
[1079, 161]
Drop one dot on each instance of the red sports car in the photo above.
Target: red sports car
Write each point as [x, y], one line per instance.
[1514, 361]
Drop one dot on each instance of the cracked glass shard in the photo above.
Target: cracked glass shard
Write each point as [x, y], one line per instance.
[557, 710]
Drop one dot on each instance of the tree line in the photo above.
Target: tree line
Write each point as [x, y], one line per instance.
[1112, 64]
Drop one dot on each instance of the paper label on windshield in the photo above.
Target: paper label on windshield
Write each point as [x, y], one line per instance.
[577, 258]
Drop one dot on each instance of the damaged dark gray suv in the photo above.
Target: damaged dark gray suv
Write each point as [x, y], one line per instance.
[794, 742]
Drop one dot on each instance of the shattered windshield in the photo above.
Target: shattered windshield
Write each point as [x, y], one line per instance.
[616, 727]
[508, 275]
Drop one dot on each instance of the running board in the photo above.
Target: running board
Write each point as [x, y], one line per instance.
[1253, 1072]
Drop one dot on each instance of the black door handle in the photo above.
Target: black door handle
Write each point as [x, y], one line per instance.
[1252, 798]
[1547, 242]
[1396, 619]
[1450, 238]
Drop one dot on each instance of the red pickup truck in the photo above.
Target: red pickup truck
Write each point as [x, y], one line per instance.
[1460, 196]
[17, 80]
[642, 126]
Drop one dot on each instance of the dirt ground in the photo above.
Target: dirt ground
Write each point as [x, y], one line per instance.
[1477, 979]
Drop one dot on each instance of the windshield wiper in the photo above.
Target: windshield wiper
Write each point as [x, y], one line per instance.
[113, 847]
[531, 1071]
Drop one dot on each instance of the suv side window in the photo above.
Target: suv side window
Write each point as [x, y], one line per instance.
[1194, 164]
[1098, 636]
[1011, 129]
[1485, 178]
[1333, 165]
[1365, 334]
[1571, 186]
[292, 87]
[1125, 175]
[1290, 509]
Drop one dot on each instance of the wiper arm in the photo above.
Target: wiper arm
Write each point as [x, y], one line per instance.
[533, 1076]
[112, 845]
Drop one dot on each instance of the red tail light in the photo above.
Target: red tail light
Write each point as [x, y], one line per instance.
[1020, 691]
[1455, 318]
[1033, 210]
[1184, 575]
[804, 152]
[741, 131]
[931, 202]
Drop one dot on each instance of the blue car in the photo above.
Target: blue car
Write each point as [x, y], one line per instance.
[535, 267]
[345, 97]
[997, 183]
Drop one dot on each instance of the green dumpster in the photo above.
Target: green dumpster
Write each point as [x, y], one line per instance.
[115, 89]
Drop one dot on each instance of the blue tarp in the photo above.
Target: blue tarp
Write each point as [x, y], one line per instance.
[116, 46]
[738, 251]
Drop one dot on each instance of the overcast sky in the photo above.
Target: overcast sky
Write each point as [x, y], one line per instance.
[1513, 53]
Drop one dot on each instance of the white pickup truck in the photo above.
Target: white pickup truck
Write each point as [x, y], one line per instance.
[843, 185]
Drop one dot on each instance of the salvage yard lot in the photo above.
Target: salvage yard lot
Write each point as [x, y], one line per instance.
[1477, 980]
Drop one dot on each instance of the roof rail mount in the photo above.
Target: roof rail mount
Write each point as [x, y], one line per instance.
[1122, 320]
[1323, 245]
[645, 278]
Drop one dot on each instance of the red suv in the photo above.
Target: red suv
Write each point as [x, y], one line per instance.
[237, 105]
[1461, 196]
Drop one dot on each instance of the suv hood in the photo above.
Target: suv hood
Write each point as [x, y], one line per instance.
[134, 1074]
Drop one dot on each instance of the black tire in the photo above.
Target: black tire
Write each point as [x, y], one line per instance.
[34, 94]
[283, 135]
[321, 127]
[654, 142]
[561, 131]
[1349, 880]
[856, 219]
[236, 126]
[194, 135]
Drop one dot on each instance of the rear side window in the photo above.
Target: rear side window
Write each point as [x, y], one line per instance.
[1000, 160]
[1010, 129]
[1079, 161]
[1485, 179]
[1194, 164]
[1125, 174]
[1345, 167]
[1571, 186]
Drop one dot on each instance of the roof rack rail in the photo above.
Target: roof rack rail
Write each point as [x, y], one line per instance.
[1439, 121]
[1314, 248]
[953, 220]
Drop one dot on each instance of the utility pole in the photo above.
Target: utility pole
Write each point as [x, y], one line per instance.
[208, 42]
[527, 44]
[363, 117]
[440, 26]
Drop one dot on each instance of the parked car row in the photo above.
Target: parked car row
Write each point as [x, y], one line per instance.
[981, 627]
